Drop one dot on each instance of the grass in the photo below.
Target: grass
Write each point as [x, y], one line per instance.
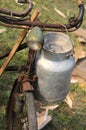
[63, 118]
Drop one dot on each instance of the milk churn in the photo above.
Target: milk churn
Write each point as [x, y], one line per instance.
[54, 66]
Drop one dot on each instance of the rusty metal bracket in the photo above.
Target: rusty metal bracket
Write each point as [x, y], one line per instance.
[25, 23]
[27, 86]
[25, 83]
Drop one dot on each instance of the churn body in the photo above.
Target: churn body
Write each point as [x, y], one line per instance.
[54, 66]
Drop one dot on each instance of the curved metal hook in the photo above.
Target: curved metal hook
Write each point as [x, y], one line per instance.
[23, 14]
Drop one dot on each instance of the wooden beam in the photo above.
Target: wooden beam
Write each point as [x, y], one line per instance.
[78, 71]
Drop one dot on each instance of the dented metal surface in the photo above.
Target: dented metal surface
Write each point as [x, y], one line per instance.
[54, 68]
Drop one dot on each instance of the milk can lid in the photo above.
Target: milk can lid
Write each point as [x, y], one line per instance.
[57, 42]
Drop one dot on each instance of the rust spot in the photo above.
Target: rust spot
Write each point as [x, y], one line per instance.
[27, 86]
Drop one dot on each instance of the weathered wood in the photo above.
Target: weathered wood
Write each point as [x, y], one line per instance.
[34, 15]
[78, 52]
[60, 13]
[79, 2]
[78, 71]
[81, 34]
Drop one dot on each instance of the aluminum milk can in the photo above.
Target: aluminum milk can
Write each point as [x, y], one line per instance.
[54, 67]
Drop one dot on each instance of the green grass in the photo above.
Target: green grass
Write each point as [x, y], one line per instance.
[63, 118]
